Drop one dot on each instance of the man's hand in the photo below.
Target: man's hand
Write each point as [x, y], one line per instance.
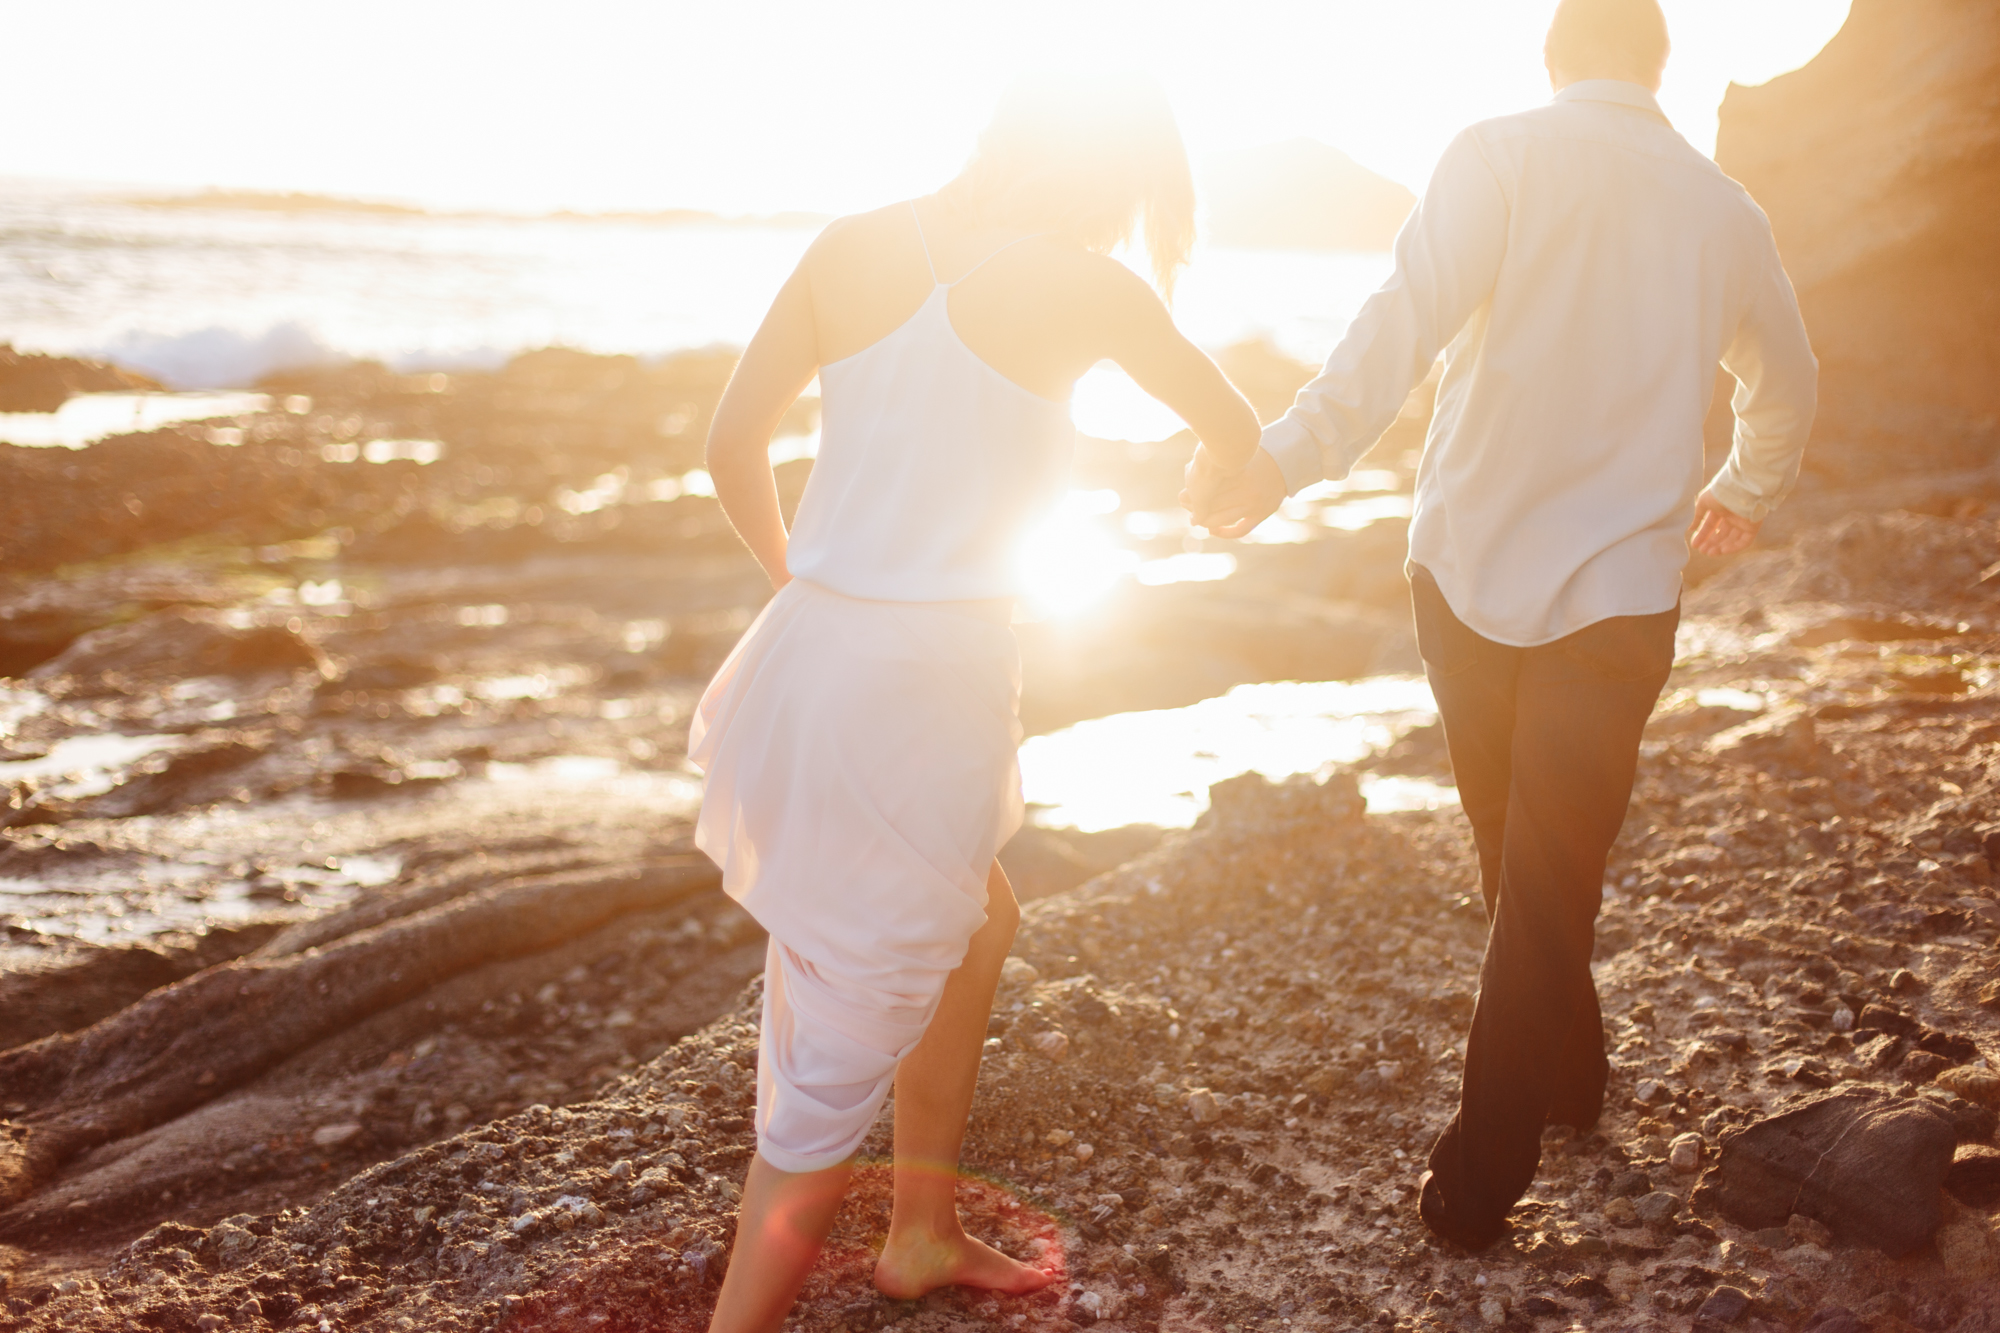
[1717, 530]
[1230, 506]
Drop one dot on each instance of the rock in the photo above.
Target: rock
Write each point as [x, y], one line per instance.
[1492, 1311]
[208, 1323]
[1657, 1208]
[1974, 1176]
[1204, 1106]
[1879, 1051]
[1725, 1305]
[1882, 1018]
[1053, 1043]
[1650, 1091]
[332, 1136]
[1630, 1185]
[176, 643]
[1972, 1122]
[1870, 1167]
[1969, 1249]
[1684, 1153]
[1620, 1213]
[32, 382]
[231, 1244]
[1975, 1085]
[1018, 972]
[1922, 1066]
[1836, 1320]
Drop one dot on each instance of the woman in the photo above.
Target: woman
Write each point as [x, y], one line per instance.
[860, 741]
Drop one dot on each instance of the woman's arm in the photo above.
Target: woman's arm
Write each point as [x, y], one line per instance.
[780, 361]
[1145, 343]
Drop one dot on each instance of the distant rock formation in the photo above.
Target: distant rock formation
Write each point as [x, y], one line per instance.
[32, 382]
[1879, 165]
[1301, 195]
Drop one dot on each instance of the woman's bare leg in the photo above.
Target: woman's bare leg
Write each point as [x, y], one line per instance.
[927, 1248]
[780, 1227]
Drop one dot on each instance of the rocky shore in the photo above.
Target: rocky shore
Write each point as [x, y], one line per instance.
[1214, 1070]
[358, 973]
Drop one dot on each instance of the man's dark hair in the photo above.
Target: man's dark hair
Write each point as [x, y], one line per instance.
[1599, 36]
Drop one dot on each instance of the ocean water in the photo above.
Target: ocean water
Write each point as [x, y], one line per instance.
[213, 299]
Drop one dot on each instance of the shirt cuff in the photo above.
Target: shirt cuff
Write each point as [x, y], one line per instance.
[1739, 499]
[1295, 451]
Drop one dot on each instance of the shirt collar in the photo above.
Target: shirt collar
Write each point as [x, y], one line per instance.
[1611, 90]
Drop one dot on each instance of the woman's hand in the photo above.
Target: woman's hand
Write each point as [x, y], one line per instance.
[1231, 504]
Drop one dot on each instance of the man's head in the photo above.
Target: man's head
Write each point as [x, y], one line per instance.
[1607, 39]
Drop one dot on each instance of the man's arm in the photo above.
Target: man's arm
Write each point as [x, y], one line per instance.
[1777, 385]
[1447, 259]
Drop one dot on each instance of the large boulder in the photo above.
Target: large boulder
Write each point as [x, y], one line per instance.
[1868, 1165]
[1879, 163]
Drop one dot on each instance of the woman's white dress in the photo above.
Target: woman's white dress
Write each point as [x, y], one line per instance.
[859, 742]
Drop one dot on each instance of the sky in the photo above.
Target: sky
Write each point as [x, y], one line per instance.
[757, 106]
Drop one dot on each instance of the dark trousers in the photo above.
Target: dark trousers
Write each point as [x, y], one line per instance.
[1544, 745]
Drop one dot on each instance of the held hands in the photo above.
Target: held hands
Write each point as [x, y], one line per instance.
[1231, 504]
[1718, 531]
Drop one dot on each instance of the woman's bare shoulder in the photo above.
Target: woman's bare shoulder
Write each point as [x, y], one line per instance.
[853, 233]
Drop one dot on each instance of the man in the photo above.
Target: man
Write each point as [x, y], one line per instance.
[1583, 271]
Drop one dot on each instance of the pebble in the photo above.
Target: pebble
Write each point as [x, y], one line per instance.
[1058, 1138]
[1843, 1019]
[1975, 1085]
[209, 1322]
[1204, 1106]
[1621, 1213]
[1657, 1208]
[332, 1136]
[1969, 1249]
[1650, 1091]
[1018, 972]
[1493, 1311]
[1725, 1305]
[1684, 1153]
[1054, 1043]
[1084, 1152]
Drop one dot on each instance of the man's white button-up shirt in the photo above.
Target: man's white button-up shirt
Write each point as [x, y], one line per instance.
[1584, 270]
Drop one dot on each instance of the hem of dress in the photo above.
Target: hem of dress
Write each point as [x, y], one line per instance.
[796, 1164]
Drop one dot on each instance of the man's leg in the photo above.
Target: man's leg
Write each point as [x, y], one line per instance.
[1580, 706]
[1473, 680]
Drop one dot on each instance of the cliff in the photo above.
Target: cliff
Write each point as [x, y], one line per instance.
[1879, 165]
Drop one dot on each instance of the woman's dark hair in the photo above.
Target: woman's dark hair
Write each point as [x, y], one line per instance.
[1591, 36]
[1094, 158]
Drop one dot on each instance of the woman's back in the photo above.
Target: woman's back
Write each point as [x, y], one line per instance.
[935, 460]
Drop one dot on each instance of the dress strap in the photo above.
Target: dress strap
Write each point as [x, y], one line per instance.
[921, 240]
[989, 259]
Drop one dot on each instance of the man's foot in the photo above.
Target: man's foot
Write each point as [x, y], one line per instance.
[1431, 1207]
[913, 1265]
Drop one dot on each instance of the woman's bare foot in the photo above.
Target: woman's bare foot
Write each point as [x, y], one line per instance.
[914, 1264]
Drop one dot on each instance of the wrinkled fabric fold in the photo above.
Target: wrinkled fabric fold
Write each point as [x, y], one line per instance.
[861, 775]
